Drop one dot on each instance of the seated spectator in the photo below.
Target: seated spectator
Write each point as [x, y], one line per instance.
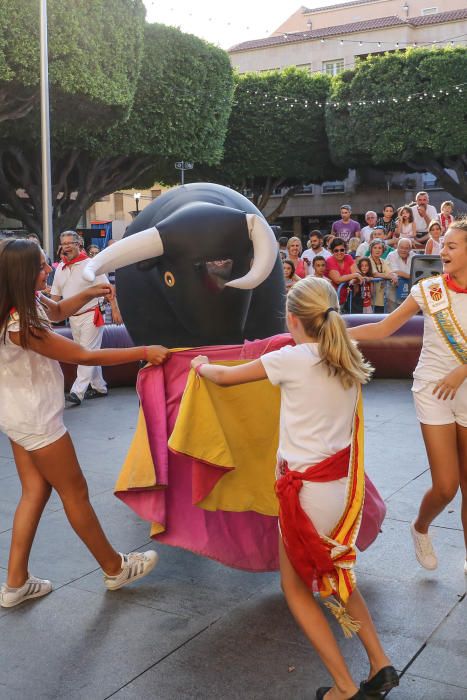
[353, 247]
[423, 214]
[365, 233]
[380, 269]
[434, 244]
[379, 234]
[341, 267]
[282, 241]
[294, 250]
[362, 292]
[290, 278]
[93, 250]
[400, 261]
[405, 227]
[445, 216]
[346, 228]
[327, 240]
[319, 266]
[316, 248]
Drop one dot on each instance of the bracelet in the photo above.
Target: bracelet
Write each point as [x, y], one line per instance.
[145, 353]
[197, 369]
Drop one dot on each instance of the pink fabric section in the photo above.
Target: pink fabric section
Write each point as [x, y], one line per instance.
[246, 540]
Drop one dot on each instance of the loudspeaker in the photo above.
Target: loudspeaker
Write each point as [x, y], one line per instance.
[424, 266]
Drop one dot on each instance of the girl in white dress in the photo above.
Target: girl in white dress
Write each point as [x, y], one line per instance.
[31, 415]
[440, 386]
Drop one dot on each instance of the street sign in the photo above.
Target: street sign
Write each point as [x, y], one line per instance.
[183, 165]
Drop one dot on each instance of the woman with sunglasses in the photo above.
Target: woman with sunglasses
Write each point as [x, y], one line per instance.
[341, 268]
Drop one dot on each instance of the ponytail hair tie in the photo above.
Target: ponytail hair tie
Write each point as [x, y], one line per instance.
[328, 311]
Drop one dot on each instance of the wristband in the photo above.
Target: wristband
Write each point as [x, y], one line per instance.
[145, 353]
[197, 369]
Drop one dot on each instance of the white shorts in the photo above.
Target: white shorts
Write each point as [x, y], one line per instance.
[433, 411]
[35, 442]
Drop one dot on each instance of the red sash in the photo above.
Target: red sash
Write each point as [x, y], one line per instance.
[305, 549]
[79, 258]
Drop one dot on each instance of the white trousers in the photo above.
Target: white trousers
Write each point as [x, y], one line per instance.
[90, 337]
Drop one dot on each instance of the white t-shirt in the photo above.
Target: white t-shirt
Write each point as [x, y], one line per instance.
[316, 414]
[69, 281]
[420, 223]
[436, 359]
[365, 233]
[310, 254]
[362, 249]
[395, 262]
[31, 387]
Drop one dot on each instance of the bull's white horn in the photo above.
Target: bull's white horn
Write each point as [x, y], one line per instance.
[264, 253]
[132, 249]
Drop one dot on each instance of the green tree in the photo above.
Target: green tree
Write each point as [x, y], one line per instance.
[276, 136]
[168, 98]
[403, 110]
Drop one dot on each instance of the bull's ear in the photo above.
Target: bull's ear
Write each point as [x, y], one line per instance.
[140, 246]
[264, 253]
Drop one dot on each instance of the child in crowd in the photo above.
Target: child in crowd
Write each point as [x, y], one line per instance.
[318, 486]
[445, 216]
[31, 415]
[434, 243]
[352, 246]
[327, 240]
[290, 278]
[362, 291]
[319, 266]
[405, 226]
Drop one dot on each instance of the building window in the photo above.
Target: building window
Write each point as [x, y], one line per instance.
[333, 67]
[430, 181]
[429, 11]
[333, 186]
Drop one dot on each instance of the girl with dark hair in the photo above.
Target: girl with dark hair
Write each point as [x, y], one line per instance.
[31, 415]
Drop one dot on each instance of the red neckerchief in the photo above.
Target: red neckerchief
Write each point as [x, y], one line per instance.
[453, 286]
[79, 258]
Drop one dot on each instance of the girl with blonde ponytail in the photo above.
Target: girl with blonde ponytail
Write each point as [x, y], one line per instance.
[320, 477]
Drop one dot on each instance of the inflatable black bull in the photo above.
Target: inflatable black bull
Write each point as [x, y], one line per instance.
[199, 266]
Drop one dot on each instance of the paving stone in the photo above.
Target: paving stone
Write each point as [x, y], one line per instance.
[415, 688]
[82, 646]
[7, 469]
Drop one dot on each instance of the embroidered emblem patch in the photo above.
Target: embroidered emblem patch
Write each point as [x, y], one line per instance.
[435, 292]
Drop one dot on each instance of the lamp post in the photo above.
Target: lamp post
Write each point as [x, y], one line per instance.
[137, 196]
[47, 226]
[183, 165]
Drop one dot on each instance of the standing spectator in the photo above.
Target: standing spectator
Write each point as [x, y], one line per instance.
[282, 241]
[319, 266]
[346, 228]
[370, 218]
[381, 269]
[445, 217]
[405, 227]
[93, 250]
[290, 278]
[388, 223]
[86, 324]
[294, 250]
[423, 213]
[433, 246]
[362, 292]
[341, 267]
[400, 261]
[316, 248]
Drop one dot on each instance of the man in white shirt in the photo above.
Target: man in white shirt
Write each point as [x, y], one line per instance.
[316, 248]
[423, 214]
[400, 261]
[87, 324]
[365, 233]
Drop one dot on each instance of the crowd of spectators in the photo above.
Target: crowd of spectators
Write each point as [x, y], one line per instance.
[370, 266]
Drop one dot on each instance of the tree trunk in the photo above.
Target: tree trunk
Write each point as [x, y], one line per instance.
[457, 188]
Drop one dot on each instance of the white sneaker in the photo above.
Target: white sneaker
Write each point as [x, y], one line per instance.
[33, 588]
[424, 549]
[135, 565]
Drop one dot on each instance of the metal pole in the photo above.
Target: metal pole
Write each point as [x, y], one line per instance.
[47, 227]
[182, 174]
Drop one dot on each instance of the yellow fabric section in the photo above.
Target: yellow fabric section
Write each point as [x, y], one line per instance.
[138, 469]
[235, 427]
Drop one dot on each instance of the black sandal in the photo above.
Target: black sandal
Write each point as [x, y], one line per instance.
[381, 682]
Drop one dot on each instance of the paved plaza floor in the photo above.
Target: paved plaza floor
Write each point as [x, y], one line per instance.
[196, 629]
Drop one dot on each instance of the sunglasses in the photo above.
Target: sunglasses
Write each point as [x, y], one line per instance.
[339, 250]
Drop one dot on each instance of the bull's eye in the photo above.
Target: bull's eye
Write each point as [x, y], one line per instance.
[169, 279]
